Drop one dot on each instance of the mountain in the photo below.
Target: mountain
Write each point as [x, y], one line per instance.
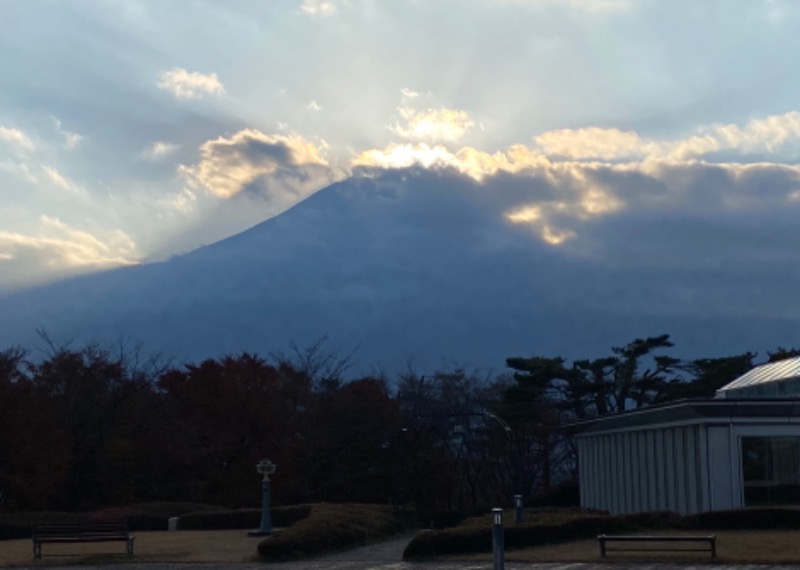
[409, 266]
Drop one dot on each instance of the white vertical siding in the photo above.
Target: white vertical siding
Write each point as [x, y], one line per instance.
[652, 471]
[679, 504]
[692, 475]
[617, 500]
[645, 470]
[720, 468]
[661, 476]
[703, 469]
[669, 469]
[690, 468]
[611, 474]
[636, 481]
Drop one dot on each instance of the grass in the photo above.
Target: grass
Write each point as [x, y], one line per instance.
[330, 527]
[733, 547]
[181, 546]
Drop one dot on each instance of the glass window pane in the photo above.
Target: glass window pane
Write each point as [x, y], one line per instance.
[771, 470]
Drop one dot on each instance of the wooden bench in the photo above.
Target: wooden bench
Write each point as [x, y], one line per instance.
[65, 533]
[710, 539]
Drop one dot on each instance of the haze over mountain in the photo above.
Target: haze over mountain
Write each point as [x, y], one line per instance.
[424, 266]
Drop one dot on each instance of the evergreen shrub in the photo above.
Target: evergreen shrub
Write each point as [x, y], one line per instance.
[332, 527]
[545, 527]
[751, 519]
[242, 518]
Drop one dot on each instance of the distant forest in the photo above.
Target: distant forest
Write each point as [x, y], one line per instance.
[82, 428]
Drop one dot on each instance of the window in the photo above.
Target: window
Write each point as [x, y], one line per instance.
[771, 470]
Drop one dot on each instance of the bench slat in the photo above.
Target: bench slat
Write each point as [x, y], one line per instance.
[710, 539]
[64, 533]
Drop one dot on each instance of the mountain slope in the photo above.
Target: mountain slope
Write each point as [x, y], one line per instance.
[411, 266]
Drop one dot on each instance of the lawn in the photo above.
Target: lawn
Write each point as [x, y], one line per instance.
[163, 546]
[744, 546]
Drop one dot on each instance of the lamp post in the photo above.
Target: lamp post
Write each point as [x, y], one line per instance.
[266, 468]
[516, 463]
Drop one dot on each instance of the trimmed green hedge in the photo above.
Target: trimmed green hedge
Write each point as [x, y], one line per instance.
[754, 518]
[334, 527]
[242, 518]
[142, 517]
[471, 537]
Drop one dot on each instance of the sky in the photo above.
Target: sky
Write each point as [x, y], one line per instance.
[133, 131]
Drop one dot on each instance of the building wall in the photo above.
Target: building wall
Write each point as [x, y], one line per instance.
[663, 468]
[724, 468]
[682, 468]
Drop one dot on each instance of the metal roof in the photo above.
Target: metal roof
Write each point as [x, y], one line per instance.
[766, 373]
[785, 411]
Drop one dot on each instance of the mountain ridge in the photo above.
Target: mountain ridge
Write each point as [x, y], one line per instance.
[409, 266]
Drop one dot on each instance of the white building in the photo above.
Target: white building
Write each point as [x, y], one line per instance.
[739, 449]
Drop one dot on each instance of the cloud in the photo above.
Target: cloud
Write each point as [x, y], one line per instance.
[432, 125]
[71, 140]
[55, 247]
[59, 180]
[159, 150]
[182, 201]
[408, 94]
[763, 135]
[318, 7]
[22, 170]
[590, 6]
[314, 106]
[592, 142]
[190, 85]
[470, 161]
[281, 167]
[16, 138]
[592, 174]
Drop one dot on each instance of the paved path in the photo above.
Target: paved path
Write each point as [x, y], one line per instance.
[388, 556]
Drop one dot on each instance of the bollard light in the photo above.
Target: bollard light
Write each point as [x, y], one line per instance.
[518, 509]
[498, 540]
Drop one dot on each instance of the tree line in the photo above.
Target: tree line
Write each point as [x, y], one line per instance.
[93, 426]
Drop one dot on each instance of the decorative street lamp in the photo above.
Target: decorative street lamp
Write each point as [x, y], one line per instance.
[266, 468]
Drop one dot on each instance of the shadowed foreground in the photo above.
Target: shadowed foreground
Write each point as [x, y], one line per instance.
[235, 551]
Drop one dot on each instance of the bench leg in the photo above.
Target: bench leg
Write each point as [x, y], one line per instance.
[130, 546]
[602, 547]
[37, 550]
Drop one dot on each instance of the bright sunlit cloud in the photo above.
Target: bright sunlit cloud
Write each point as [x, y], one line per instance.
[432, 125]
[318, 7]
[190, 85]
[59, 180]
[56, 247]
[766, 134]
[229, 165]
[16, 138]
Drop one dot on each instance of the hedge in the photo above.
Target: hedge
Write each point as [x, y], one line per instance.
[334, 527]
[242, 518]
[753, 518]
[141, 517]
[472, 538]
